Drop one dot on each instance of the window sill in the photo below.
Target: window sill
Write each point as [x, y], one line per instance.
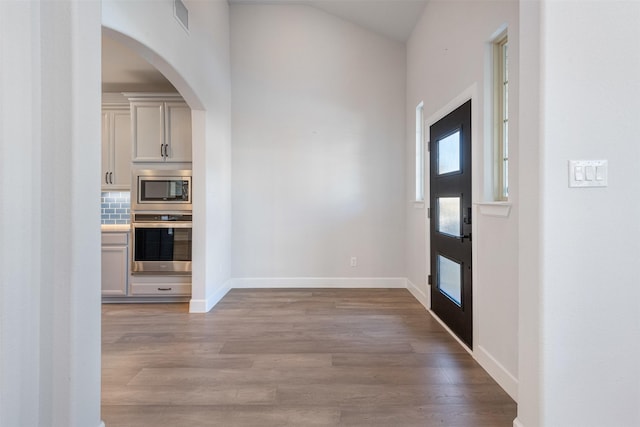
[500, 209]
[418, 204]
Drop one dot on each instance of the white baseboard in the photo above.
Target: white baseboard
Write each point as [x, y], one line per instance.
[517, 423]
[319, 282]
[422, 297]
[497, 371]
[205, 305]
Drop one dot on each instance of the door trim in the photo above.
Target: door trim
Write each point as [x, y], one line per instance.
[477, 171]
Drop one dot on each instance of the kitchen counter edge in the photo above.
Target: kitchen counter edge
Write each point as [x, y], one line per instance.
[115, 228]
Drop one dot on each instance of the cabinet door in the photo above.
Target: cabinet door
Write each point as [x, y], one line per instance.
[178, 131]
[107, 154]
[121, 139]
[114, 271]
[147, 120]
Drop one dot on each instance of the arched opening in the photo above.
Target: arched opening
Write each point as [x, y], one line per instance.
[166, 69]
[198, 124]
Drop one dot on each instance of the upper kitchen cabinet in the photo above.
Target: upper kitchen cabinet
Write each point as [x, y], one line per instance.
[161, 128]
[116, 148]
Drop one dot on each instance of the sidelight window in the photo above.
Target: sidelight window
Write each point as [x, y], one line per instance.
[420, 152]
[501, 116]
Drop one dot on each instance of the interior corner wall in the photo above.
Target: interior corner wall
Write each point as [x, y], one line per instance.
[49, 217]
[197, 63]
[530, 223]
[589, 307]
[318, 153]
[447, 55]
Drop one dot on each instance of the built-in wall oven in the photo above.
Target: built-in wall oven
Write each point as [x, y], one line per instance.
[161, 222]
[161, 243]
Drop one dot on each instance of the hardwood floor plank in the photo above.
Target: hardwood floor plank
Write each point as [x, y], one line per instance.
[226, 416]
[289, 357]
[188, 394]
[289, 376]
[427, 415]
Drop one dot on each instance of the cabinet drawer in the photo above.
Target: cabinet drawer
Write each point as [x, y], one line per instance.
[160, 289]
[115, 238]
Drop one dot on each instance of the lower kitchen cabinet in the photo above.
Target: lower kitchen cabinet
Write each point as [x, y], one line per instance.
[165, 289]
[115, 264]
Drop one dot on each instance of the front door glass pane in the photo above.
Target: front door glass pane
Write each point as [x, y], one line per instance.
[450, 279]
[449, 154]
[449, 215]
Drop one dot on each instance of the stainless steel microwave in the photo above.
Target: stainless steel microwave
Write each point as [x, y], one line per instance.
[161, 190]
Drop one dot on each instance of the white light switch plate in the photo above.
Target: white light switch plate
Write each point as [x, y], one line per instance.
[588, 173]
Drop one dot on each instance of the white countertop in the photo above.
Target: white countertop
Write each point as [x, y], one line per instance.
[115, 228]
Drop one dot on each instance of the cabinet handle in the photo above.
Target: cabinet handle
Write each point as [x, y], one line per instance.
[110, 177]
[161, 148]
[106, 178]
[164, 289]
[166, 147]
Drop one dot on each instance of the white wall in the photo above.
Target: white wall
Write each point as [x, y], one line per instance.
[197, 63]
[447, 59]
[50, 157]
[49, 214]
[318, 154]
[529, 312]
[585, 364]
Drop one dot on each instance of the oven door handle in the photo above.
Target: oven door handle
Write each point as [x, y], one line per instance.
[168, 224]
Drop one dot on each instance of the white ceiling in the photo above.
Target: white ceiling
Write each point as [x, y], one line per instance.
[124, 70]
[392, 18]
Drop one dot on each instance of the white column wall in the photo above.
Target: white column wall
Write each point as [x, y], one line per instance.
[318, 130]
[448, 60]
[589, 310]
[50, 293]
[20, 242]
[530, 222]
[197, 63]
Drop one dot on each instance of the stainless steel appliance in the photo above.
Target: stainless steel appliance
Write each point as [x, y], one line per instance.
[161, 190]
[161, 243]
[161, 222]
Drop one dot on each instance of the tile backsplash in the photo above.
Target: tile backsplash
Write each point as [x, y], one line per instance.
[115, 207]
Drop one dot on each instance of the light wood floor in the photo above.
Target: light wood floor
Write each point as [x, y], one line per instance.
[322, 357]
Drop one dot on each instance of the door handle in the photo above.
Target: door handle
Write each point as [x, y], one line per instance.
[465, 236]
[467, 219]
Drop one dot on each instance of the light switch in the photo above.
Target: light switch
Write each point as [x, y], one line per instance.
[588, 173]
[578, 173]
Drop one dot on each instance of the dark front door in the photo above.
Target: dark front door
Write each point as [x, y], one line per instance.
[450, 203]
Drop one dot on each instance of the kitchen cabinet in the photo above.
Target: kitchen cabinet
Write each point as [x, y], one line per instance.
[179, 287]
[161, 128]
[115, 263]
[116, 148]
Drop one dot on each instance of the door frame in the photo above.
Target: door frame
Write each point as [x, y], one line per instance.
[477, 171]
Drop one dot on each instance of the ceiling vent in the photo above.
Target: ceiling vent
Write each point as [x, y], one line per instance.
[182, 13]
